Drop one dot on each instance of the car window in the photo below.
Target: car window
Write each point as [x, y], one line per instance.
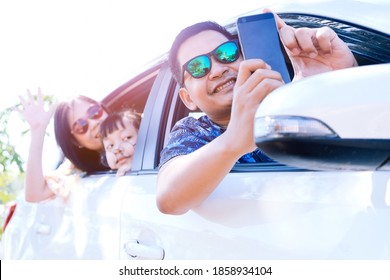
[134, 93]
[155, 94]
[368, 46]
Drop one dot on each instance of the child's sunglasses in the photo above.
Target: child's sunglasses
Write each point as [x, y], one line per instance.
[94, 112]
[200, 66]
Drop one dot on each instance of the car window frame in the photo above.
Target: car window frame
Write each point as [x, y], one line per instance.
[164, 108]
[342, 28]
[153, 122]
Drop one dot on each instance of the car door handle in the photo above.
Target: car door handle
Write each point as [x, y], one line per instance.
[43, 229]
[141, 251]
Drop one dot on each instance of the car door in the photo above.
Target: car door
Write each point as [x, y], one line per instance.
[259, 211]
[87, 224]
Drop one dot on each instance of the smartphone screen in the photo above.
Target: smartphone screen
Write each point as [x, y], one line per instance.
[259, 38]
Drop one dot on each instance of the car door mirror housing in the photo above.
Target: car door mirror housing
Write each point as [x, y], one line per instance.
[333, 121]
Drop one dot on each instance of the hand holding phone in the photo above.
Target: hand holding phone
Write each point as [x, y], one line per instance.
[259, 38]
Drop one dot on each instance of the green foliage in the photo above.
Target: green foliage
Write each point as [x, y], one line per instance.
[6, 192]
[10, 186]
[8, 154]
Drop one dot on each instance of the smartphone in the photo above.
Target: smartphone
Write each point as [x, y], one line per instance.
[259, 38]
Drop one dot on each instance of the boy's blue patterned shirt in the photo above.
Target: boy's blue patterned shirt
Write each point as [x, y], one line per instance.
[190, 134]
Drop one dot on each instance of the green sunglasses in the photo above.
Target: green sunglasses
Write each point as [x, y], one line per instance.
[200, 66]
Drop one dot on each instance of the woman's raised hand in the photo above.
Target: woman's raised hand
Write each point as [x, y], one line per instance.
[33, 111]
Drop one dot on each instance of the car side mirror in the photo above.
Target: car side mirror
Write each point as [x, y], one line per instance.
[338, 120]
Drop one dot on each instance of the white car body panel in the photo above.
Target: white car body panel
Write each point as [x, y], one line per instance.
[298, 215]
[75, 228]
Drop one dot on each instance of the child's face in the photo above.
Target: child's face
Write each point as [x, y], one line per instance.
[120, 146]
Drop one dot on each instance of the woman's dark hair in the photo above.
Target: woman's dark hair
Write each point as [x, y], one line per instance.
[82, 158]
[183, 36]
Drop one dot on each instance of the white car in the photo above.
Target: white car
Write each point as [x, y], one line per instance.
[330, 199]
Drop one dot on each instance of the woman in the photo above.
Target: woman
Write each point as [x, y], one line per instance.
[76, 125]
[77, 131]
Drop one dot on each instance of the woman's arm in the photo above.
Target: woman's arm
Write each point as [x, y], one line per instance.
[36, 188]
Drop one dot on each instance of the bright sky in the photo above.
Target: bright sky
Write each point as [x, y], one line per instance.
[91, 47]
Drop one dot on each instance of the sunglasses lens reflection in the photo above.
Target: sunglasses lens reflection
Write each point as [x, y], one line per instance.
[95, 111]
[80, 126]
[199, 66]
[227, 53]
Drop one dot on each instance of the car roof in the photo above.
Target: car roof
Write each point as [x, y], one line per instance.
[372, 14]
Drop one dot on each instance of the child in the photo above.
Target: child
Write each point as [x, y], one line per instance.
[119, 133]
